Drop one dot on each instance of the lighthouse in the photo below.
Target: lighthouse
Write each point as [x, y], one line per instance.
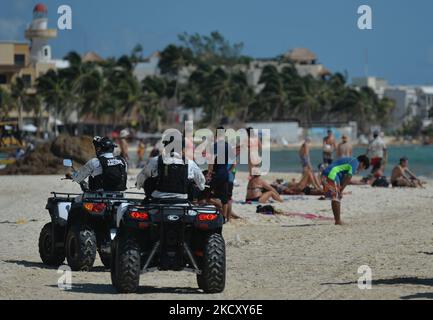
[39, 35]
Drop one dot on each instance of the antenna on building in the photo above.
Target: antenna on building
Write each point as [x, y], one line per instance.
[366, 63]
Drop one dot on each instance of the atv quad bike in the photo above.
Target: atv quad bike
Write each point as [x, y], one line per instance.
[81, 225]
[168, 235]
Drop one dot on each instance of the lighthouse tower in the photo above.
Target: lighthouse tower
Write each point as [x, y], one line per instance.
[39, 34]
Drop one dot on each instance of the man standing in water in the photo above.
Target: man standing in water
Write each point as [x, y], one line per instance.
[337, 176]
[377, 152]
[344, 148]
[329, 145]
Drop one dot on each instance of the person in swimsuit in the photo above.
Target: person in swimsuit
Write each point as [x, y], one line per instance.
[329, 145]
[307, 168]
[259, 190]
[402, 177]
[304, 154]
[254, 147]
[344, 148]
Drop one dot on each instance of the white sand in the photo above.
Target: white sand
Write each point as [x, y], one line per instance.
[267, 257]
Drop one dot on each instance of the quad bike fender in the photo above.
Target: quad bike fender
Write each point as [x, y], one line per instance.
[59, 210]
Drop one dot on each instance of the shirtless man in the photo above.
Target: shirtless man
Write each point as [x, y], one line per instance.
[307, 168]
[329, 145]
[402, 177]
[344, 148]
[259, 190]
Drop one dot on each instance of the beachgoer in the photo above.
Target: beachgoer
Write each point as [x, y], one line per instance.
[154, 152]
[304, 154]
[141, 149]
[378, 153]
[218, 175]
[254, 147]
[304, 187]
[329, 146]
[259, 190]
[344, 148]
[401, 176]
[337, 176]
[123, 144]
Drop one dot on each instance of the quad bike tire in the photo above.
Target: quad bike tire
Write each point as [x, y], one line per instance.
[48, 252]
[125, 275]
[105, 259]
[80, 248]
[213, 266]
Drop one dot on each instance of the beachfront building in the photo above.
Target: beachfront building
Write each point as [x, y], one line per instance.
[425, 104]
[377, 84]
[148, 67]
[29, 59]
[15, 62]
[406, 104]
[304, 61]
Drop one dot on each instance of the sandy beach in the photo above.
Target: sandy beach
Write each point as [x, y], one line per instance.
[268, 257]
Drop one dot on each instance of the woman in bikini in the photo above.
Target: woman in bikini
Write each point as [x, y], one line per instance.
[259, 190]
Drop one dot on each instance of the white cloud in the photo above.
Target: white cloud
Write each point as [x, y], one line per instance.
[11, 29]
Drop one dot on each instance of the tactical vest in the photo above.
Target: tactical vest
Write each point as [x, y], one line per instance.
[172, 178]
[113, 177]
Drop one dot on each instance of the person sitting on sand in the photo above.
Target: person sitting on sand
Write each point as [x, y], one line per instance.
[259, 190]
[304, 187]
[336, 177]
[401, 176]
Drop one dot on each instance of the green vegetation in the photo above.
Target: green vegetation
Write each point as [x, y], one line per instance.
[199, 71]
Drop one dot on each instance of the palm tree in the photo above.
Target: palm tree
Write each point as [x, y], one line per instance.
[18, 93]
[54, 91]
[217, 94]
[154, 91]
[5, 103]
[273, 96]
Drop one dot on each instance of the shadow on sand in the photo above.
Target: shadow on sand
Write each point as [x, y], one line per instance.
[40, 265]
[398, 281]
[95, 288]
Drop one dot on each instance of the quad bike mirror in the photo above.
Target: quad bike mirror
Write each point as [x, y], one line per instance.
[67, 163]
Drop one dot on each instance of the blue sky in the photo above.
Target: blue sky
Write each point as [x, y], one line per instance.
[400, 46]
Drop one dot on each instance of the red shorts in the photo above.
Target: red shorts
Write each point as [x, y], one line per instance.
[331, 189]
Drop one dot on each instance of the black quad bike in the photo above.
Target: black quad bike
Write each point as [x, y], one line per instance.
[81, 225]
[168, 235]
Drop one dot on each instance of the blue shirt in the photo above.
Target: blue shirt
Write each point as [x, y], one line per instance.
[341, 168]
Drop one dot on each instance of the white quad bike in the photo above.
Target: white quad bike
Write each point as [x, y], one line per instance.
[81, 225]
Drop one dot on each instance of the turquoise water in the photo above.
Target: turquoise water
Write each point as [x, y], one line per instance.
[420, 159]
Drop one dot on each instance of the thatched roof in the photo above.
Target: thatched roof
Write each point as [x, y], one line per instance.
[92, 57]
[300, 55]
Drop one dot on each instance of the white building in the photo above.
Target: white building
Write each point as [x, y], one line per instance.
[425, 102]
[148, 67]
[406, 104]
[377, 84]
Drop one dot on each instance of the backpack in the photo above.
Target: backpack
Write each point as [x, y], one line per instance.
[381, 182]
